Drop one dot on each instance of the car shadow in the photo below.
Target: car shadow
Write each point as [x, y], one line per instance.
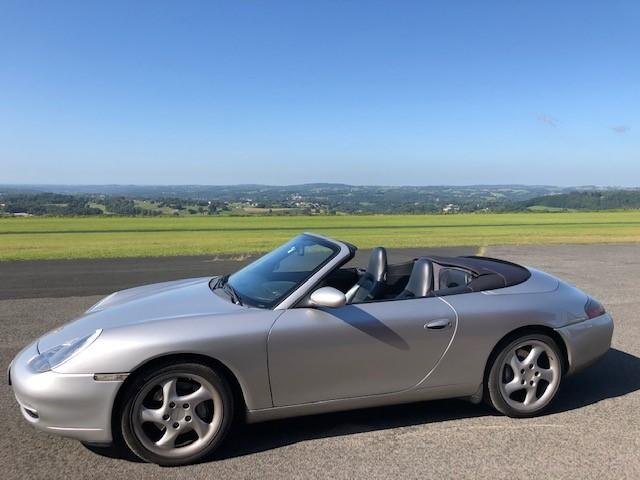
[615, 375]
[368, 324]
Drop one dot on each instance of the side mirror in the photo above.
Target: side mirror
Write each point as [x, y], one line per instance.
[328, 297]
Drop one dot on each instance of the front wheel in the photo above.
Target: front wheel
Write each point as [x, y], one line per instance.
[176, 414]
[525, 376]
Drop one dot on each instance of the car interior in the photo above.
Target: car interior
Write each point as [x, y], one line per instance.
[422, 277]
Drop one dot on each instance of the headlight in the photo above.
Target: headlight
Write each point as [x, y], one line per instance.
[59, 354]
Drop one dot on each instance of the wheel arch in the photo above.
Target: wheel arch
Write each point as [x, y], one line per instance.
[240, 406]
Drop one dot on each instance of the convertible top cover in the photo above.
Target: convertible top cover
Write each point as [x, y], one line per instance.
[489, 273]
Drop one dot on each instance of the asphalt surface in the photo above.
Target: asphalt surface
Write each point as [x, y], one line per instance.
[66, 278]
[593, 431]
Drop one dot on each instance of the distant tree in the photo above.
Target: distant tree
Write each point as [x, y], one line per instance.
[590, 200]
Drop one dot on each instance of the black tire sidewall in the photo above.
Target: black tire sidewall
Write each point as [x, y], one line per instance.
[125, 422]
[495, 397]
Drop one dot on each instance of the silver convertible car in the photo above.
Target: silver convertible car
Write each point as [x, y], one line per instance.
[163, 369]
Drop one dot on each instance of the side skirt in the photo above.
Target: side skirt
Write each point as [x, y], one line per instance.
[315, 408]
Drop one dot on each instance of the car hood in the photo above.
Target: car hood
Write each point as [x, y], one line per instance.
[160, 301]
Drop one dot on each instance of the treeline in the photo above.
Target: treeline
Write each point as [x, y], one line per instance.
[47, 204]
[57, 204]
[69, 205]
[370, 200]
[126, 206]
[593, 200]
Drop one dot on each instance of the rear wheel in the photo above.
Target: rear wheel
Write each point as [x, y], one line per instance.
[525, 376]
[176, 414]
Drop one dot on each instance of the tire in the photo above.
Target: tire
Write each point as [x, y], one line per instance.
[525, 376]
[176, 414]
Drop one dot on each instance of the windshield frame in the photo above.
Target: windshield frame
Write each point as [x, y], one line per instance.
[337, 249]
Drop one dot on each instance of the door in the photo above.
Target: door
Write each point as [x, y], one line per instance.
[356, 350]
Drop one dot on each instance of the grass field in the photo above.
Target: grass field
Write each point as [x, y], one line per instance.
[93, 237]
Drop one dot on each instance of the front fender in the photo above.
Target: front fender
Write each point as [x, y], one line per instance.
[238, 341]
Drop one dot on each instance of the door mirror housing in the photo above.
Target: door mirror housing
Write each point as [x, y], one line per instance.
[327, 297]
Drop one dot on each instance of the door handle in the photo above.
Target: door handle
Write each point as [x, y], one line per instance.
[439, 324]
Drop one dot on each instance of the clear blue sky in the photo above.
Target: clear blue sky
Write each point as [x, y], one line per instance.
[365, 92]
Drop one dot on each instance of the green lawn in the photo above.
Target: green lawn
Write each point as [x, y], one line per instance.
[92, 237]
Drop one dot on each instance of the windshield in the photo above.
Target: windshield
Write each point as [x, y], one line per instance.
[267, 281]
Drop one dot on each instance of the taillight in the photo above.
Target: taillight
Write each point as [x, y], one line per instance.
[593, 308]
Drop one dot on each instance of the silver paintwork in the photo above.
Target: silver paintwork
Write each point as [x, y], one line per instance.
[328, 297]
[586, 340]
[295, 361]
[377, 348]
[72, 405]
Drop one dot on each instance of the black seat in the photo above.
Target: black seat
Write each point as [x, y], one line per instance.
[420, 281]
[371, 283]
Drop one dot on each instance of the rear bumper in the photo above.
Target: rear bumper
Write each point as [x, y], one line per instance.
[587, 341]
[71, 405]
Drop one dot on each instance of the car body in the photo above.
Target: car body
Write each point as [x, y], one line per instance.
[294, 343]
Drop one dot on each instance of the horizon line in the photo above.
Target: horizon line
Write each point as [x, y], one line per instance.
[592, 186]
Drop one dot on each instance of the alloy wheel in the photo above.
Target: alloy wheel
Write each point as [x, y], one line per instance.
[529, 376]
[177, 415]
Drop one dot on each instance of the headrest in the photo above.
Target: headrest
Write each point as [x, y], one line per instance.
[377, 267]
[420, 281]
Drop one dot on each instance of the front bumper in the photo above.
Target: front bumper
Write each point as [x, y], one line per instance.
[587, 341]
[71, 405]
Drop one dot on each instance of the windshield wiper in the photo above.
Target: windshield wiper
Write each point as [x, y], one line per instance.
[233, 293]
[223, 283]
